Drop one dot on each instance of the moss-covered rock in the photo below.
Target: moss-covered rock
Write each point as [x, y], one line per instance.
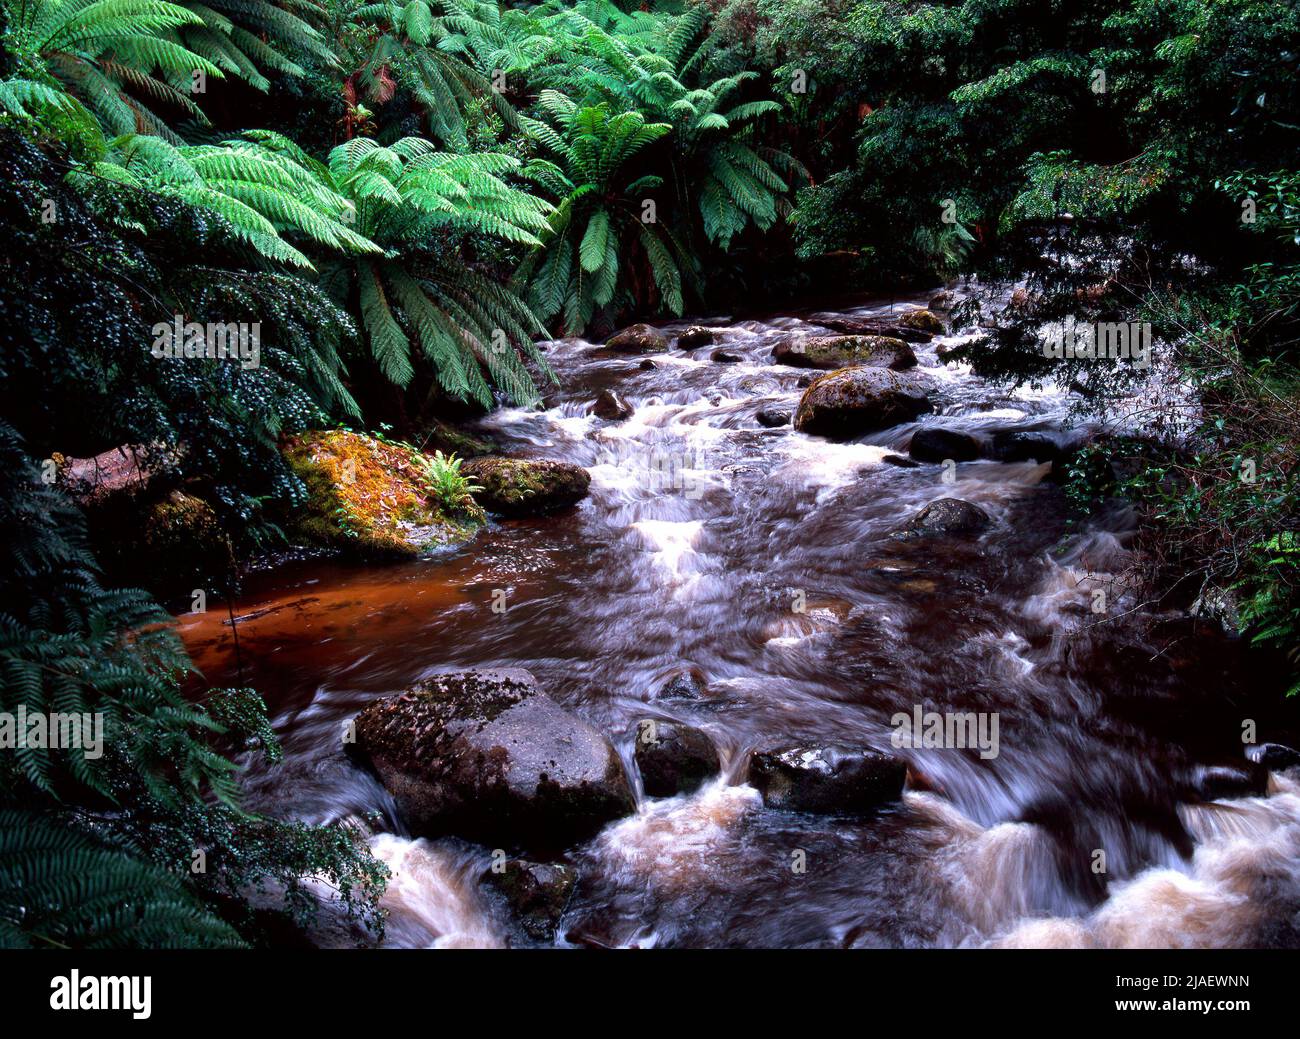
[852, 402]
[923, 321]
[183, 544]
[371, 496]
[638, 339]
[525, 486]
[452, 441]
[831, 352]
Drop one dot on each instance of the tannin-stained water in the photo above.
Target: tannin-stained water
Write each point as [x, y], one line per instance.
[763, 559]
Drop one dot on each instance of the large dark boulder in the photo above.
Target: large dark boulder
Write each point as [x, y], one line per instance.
[696, 335]
[1225, 782]
[673, 758]
[638, 339]
[935, 444]
[526, 487]
[488, 756]
[949, 516]
[827, 780]
[831, 352]
[538, 892]
[610, 405]
[852, 402]
[1025, 446]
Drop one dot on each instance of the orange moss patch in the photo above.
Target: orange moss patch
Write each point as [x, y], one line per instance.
[369, 495]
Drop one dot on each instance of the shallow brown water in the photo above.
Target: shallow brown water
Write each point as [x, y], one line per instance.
[703, 536]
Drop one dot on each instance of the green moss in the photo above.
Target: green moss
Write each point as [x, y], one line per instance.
[368, 495]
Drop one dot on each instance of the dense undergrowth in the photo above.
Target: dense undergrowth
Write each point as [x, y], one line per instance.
[405, 196]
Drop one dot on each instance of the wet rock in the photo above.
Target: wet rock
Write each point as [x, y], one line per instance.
[934, 444]
[673, 758]
[725, 356]
[901, 462]
[950, 516]
[771, 418]
[922, 320]
[851, 402]
[1222, 782]
[804, 381]
[1023, 446]
[488, 756]
[371, 497]
[827, 780]
[945, 300]
[638, 339]
[831, 352]
[538, 892]
[647, 365]
[1274, 756]
[696, 335]
[687, 684]
[611, 405]
[526, 487]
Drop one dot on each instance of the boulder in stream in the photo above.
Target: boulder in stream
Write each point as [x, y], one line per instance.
[696, 335]
[949, 516]
[538, 892]
[610, 405]
[673, 758]
[922, 320]
[373, 497]
[831, 352]
[725, 357]
[827, 780]
[1025, 446]
[488, 756]
[772, 418]
[517, 487]
[935, 444]
[637, 339]
[852, 402]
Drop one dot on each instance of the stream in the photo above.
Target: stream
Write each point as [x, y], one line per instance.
[762, 561]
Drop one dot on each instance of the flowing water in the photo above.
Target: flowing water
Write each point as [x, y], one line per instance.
[762, 561]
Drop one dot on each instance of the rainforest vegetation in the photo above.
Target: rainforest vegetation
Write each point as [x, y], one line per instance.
[408, 196]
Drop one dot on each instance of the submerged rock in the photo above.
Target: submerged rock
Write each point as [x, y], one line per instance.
[372, 496]
[687, 684]
[638, 339]
[851, 402]
[538, 892]
[527, 487]
[1223, 782]
[696, 335]
[673, 758]
[611, 405]
[831, 352]
[1024, 446]
[725, 357]
[935, 444]
[488, 756]
[950, 516]
[827, 780]
[901, 462]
